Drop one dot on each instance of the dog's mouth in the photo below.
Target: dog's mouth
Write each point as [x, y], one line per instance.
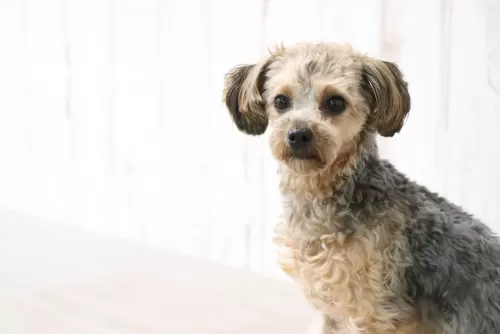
[308, 154]
[306, 157]
[305, 162]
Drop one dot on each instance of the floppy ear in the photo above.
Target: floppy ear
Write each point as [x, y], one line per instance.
[387, 94]
[243, 88]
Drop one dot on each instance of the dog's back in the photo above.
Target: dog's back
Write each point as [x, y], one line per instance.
[454, 279]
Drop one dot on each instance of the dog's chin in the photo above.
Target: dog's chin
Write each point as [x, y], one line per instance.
[306, 165]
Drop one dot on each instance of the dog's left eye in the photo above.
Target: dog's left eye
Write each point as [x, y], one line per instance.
[282, 102]
[334, 105]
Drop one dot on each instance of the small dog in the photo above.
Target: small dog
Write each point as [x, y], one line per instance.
[373, 251]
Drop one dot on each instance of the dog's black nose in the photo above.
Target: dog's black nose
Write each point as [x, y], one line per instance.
[300, 138]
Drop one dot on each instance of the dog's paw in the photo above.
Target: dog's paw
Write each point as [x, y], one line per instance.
[286, 255]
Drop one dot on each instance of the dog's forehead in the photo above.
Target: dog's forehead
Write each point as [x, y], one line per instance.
[304, 64]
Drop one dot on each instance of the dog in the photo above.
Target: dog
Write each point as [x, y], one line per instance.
[371, 250]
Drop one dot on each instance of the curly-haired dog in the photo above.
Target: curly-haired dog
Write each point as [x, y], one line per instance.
[372, 250]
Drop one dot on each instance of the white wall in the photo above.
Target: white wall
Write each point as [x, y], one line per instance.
[111, 115]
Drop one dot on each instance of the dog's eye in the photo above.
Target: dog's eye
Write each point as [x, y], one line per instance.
[334, 105]
[282, 102]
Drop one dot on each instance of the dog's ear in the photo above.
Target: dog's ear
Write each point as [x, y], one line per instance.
[387, 94]
[243, 89]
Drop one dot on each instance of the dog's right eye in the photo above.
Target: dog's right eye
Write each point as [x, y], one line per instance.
[282, 102]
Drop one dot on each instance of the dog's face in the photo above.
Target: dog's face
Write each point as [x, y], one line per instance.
[317, 99]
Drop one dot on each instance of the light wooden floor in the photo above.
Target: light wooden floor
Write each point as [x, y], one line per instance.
[59, 280]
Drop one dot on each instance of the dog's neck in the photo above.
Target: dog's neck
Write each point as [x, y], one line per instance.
[334, 181]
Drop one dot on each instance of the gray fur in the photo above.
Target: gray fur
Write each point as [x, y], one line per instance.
[454, 278]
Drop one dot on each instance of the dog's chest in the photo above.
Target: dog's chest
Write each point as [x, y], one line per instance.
[347, 276]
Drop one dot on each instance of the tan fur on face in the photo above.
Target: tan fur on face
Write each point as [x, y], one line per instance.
[310, 74]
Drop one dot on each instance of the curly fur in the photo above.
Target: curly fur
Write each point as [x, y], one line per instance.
[371, 250]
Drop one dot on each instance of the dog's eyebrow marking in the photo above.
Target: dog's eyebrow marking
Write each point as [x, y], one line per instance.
[287, 90]
[322, 92]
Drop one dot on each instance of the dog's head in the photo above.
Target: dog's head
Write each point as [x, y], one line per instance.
[318, 99]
